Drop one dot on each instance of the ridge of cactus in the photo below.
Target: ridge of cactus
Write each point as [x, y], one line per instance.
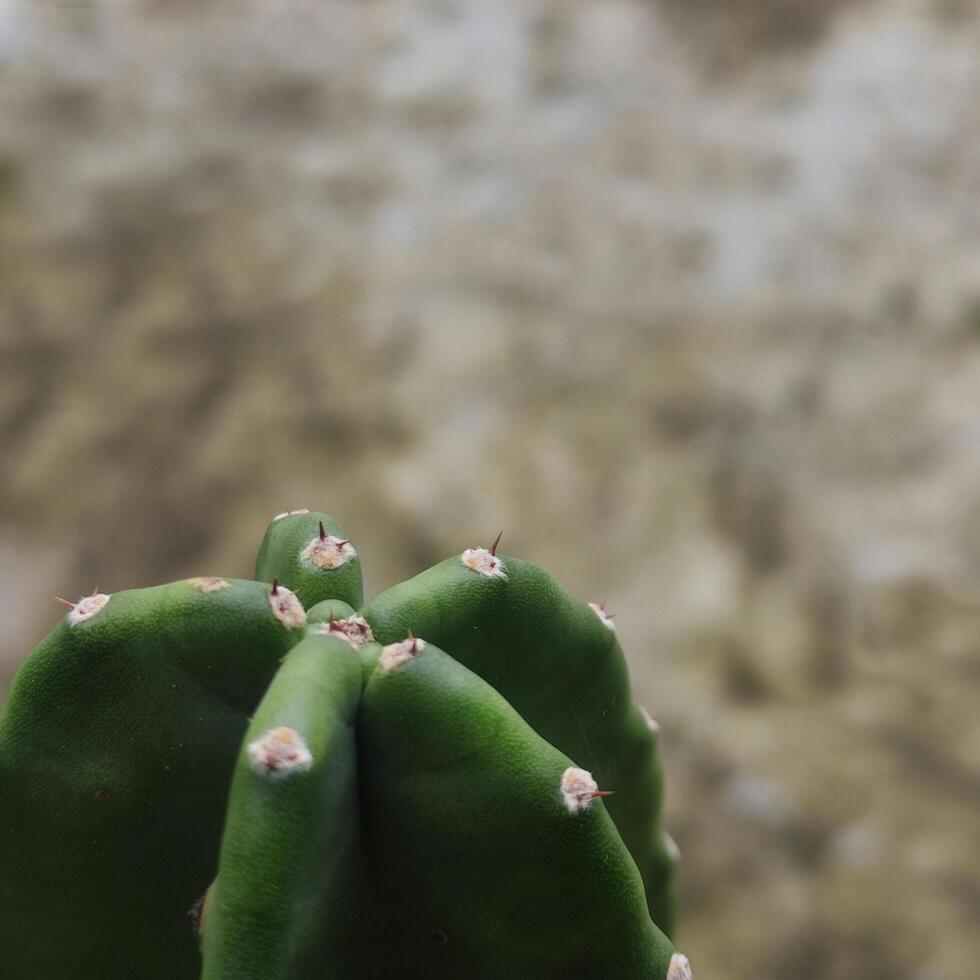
[116, 746]
[290, 856]
[561, 667]
[310, 553]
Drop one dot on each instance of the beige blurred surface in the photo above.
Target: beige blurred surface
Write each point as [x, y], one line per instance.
[684, 296]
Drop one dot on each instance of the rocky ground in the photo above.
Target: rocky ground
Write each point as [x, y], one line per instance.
[685, 296]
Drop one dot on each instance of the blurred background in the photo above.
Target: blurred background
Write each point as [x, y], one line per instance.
[684, 295]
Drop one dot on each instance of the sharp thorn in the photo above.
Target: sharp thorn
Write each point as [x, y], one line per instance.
[275, 586]
[493, 547]
[603, 792]
[64, 602]
[323, 532]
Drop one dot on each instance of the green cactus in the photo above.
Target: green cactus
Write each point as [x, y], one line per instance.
[409, 790]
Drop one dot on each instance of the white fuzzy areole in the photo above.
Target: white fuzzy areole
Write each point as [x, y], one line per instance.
[290, 513]
[396, 654]
[87, 608]
[287, 608]
[209, 585]
[354, 629]
[328, 553]
[673, 851]
[650, 721]
[680, 968]
[198, 914]
[604, 617]
[279, 753]
[578, 789]
[482, 560]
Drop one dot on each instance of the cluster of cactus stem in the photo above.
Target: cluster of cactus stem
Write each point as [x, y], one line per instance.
[270, 779]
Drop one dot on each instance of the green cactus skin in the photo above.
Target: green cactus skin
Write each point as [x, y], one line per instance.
[284, 899]
[393, 810]
[558, 663]
[292, 546]
[475, 864]
[473, 845]
[116, 747]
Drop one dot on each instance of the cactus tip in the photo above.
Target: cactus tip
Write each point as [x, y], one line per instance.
[396, 654]
[286, 607]
[290, 513]
[198, 913]
[483, 561]
[680, 968]
[579, 789]
[652, 724]
[354, 629]
[209, 584]
[85, 609]
[280, 752]
[599, 608]
[327, 552]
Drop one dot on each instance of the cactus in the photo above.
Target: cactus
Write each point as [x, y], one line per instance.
[268, 779]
